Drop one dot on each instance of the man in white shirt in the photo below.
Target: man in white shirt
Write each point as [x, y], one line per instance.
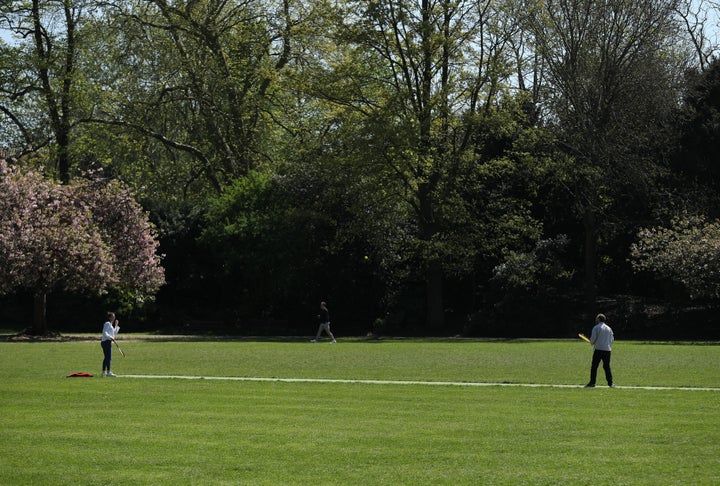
[110, 330]
[602, 338]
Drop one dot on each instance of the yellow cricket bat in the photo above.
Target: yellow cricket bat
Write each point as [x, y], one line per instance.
[583, 337]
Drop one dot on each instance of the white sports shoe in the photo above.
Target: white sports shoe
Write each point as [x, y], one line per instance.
[313, 340]
[333, 341]
[111, 374]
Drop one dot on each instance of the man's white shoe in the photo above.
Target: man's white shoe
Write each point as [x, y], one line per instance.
[313, 340]
[111, 374]
[333, 341]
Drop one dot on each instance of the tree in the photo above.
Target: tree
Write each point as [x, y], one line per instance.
[606, 65]
[700, 21]
[699, 124]
[684, 246]
[40, 89]
[198, 89]
[259, 239]
[78, 237]
[130, 236]
[278, 244]
[687, 252]
[419, 76]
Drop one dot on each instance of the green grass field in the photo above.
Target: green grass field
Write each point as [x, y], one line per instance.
[88, 431]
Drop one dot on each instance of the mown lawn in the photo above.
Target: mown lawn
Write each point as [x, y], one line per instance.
[57, 430]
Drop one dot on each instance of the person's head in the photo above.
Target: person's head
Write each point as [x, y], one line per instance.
[111, 317]
[600, 318]
[323, 305]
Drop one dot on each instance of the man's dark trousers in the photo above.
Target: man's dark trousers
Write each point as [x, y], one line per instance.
[598, 356]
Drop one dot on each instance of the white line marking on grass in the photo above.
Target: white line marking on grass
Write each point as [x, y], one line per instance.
[405, 382]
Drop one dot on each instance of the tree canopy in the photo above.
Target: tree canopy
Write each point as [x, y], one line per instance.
[83, 237]
[431, 165]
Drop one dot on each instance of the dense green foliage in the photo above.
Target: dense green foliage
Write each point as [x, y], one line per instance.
[425, 167]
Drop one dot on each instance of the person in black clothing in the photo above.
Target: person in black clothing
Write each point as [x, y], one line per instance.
[324, 317]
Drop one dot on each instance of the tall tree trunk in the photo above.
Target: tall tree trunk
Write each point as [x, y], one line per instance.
[589, 225]
[40, 314]
[57, 98]
[433, 272]
[433, 266]
[434, 296]
[63, 158]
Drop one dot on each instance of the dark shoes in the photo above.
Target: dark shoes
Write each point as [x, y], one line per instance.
[590, 385]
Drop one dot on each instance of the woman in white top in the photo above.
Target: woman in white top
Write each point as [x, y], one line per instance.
[110, 330]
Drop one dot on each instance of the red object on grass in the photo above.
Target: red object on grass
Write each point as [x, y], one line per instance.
[79, 374]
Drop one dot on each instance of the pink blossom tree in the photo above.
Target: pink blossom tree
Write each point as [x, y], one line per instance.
[130, 236]
[687, 252]
[82, 237]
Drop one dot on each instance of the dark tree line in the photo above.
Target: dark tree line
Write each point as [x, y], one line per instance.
[466, 167]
